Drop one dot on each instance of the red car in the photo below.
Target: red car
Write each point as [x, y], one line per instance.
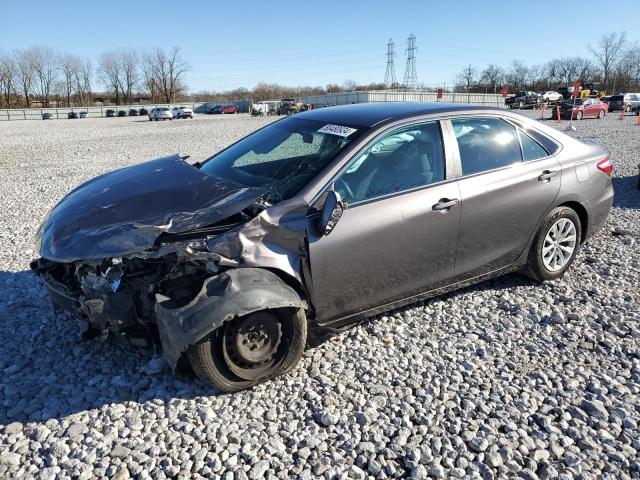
[224, 109]
[579, 108]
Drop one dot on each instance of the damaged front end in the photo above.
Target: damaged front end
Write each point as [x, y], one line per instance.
[135, 253]
[187, 285]
[117, 296]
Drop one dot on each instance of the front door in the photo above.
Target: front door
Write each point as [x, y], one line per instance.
[508, 183]
[397, 237]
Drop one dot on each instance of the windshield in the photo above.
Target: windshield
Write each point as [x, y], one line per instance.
[282, 157]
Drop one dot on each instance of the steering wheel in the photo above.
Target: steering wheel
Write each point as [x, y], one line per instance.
[341, 185]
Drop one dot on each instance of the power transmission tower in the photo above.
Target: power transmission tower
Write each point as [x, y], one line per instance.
[410, 74]
[390, 74]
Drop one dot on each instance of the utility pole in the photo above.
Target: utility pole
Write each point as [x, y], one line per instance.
[410, 74]
[390, 73]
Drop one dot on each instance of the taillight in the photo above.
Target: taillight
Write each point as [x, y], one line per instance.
[605, 165]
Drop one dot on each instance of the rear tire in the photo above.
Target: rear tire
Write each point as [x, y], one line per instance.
[601, 114]
[560, 233]
[228, 360]
[579, 115]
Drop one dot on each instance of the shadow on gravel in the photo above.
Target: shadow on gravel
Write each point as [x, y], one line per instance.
[626, 190]
[47, 371]
[496, 284]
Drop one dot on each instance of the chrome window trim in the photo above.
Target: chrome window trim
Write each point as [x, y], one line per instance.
[517, 125]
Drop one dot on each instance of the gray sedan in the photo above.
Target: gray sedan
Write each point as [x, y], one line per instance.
[314, 222]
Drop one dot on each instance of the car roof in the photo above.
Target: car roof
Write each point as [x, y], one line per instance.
[370, 114]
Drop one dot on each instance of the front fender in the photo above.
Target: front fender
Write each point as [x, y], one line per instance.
[233, 293]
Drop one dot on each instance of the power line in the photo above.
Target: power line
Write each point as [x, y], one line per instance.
[410, 74]
[390, 73]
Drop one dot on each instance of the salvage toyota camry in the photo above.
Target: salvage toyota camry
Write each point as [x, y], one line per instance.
[314, 222]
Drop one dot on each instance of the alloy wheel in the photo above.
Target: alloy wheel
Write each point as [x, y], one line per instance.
[559, 244]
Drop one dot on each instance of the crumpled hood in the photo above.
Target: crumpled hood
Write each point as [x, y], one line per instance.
[125, 211]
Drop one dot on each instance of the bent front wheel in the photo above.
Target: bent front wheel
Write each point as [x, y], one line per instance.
[248, 350]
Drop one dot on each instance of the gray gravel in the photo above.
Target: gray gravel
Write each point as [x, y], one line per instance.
[507, 378]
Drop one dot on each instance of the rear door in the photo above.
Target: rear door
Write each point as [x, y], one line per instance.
[503, 197]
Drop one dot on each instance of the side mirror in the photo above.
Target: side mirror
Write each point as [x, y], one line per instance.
[331, 212]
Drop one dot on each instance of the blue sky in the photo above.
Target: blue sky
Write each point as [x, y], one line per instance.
[292, 42]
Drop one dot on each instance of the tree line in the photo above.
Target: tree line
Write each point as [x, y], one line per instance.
[42, 76]
[614, 64]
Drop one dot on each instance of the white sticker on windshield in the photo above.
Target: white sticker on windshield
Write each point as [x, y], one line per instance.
[337, 130]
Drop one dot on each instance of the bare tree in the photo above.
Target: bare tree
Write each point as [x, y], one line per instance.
[8, 69]
[609, 52]
[349, 85]
[109, 72]
[491, 77]
[632, 66]
[24, 73]
[45, 66]
[466, 78]
[69, 66]
[84, 74]
[168, 71]
[517, 75]
[128, 59]
[148, 76]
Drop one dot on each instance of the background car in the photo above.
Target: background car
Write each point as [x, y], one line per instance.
[160, 113]
[83, 114]
[631, 100]
[615, 102]
[110, 113]
[222, 109]
[523, 100]
[551, 96]
[46, 116]
[182, 112]
[71, 115]
[580, 108]
[143, 111]
[122, 113]
[133, 112]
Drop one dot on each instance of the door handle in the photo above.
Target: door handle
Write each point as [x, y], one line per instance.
[547, 175]
[445, 204]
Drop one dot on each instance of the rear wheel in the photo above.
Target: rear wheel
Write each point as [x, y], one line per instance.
[251, 349]
[521, 105]
[601, 114]
[579, 115]
[556, 245]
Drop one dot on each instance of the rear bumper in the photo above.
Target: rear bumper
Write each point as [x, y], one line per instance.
[598, 209]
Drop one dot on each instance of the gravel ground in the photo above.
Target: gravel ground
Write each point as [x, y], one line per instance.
[505, 379]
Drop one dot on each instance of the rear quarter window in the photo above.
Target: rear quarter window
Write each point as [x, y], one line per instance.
[486, 143]
[531, 150]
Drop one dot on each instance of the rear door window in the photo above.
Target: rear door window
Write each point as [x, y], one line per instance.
[486, 143]
[531, 150]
